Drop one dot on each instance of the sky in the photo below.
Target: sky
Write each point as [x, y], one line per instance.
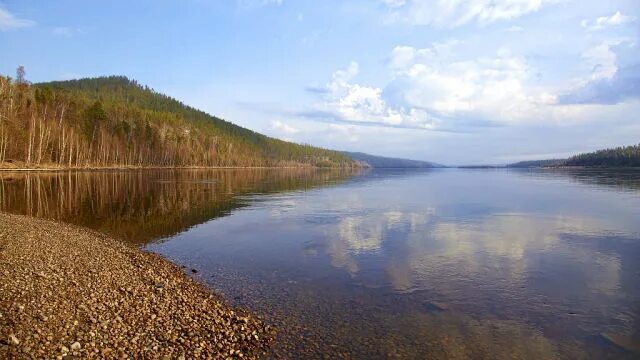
[451, 81]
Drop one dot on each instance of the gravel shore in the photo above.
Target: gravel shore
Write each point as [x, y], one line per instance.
[68, 292]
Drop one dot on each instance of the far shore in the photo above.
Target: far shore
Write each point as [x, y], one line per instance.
[490, 167]
[71, 292]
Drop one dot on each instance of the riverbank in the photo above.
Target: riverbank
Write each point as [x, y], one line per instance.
[22, 166]
[46, 168]
[68, 291]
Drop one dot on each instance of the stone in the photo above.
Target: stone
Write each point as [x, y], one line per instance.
[105, 321]
[435, 306]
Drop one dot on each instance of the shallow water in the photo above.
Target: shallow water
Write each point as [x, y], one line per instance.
[382, 264]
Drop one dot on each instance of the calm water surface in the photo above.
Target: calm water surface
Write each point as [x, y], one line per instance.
[385, 264]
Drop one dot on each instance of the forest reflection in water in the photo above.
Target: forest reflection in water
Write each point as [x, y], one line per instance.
[144, 205]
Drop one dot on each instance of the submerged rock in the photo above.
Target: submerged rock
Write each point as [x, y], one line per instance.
[435, 306]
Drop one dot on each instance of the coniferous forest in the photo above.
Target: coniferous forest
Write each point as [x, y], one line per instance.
[624, 156]
[113, 121]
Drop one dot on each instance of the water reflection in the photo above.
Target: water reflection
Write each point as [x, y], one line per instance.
[431, 264]
[446, 263]
[620, 179]
[141, 206]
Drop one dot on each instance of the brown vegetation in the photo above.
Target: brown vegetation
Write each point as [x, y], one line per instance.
[114, 122]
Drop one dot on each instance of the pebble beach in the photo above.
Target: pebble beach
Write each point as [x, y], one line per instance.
[68, 292]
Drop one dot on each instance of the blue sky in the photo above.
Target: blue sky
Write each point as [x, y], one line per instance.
[451, 81]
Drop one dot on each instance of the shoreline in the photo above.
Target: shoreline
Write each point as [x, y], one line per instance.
[111, 168]
[70, 291]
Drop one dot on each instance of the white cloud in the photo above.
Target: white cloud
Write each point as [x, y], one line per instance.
[286, 128]
[602, 60]
[453, 13]
[486, 88]
[9, 21]
[615, 73]
[436, 88]
[504, 88]
[602, 22]
[364, 104]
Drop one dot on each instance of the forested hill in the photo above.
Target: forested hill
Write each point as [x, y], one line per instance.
[624, 156]
[114, 121]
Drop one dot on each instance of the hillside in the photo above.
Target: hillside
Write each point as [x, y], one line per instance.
[623, 156]
[387, 162]
[114, 121]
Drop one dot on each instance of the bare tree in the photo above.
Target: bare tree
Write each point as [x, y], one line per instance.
[20, 75]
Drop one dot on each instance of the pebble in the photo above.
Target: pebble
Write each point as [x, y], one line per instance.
[13, 340]
[50, 268]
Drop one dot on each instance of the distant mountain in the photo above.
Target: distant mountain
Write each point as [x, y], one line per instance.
[480, 166]
[538, 163]
[113, 121]
[387, 162]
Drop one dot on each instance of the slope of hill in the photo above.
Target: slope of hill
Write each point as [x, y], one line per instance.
[624, 156]
[113, 121]
[386, 162]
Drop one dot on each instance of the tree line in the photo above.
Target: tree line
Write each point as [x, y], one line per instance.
[113, 121]
[623, 156]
